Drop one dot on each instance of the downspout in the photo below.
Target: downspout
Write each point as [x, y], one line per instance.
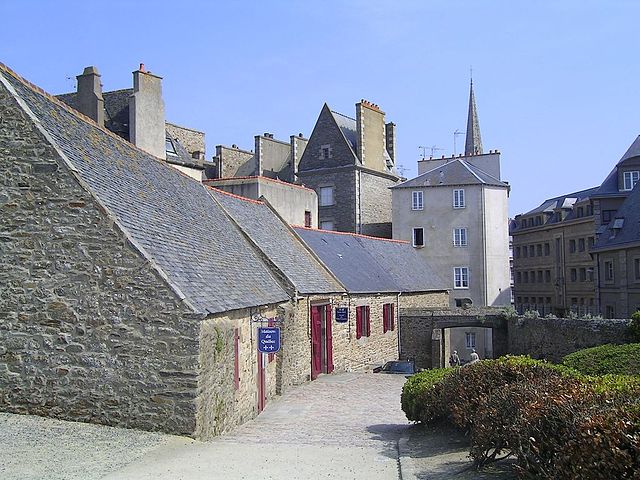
[398, 324]
[359, 225]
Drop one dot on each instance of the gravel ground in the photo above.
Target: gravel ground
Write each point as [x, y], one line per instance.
[44, 448]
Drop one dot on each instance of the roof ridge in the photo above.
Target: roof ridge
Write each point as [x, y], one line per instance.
[356, 235]
[248, 177]
[239, 197]
[428, 171]
[464, 164]
[343, 115]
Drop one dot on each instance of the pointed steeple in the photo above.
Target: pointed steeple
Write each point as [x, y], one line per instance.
[473, 144]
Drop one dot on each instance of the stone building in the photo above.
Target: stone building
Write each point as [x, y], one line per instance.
[350, 163]
[455, 214]
[555, 268]
[135, 293]
[137, 115]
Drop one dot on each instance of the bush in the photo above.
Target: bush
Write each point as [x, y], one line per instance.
[606, 359]
[556, 422]
[634, 327]
[418, 389]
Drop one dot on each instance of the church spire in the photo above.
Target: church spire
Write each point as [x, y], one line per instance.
[473, 144]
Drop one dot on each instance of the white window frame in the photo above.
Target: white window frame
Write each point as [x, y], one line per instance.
[461, 277]
[459, 200]
[413, 237]
[322, 200]
[327, 148]
[630, 179]
[460, 237]
[470, 340]
[417, 200]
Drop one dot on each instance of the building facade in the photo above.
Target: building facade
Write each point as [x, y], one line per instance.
[350, 163]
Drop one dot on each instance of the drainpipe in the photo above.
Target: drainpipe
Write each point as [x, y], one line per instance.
[398, 324]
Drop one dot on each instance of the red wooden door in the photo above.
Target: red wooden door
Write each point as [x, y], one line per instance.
[329, 339]
[262, 384]
[316, 342]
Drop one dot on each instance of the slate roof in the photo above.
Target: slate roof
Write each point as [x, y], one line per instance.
[171, 218]
[455, 172]
[279, 243]
[610, 185]
[372, 265]
[628, 218]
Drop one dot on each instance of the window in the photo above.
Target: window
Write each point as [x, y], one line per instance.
[574, 275]
[591, 241]
[518, 277]
[533, 277]
[325, 152]
[539, 250]
[540, 273]
[363, 322]
[418, 237]
[525, 277]
[590, 274]
[326, 225]
[636, 268]
[608, 271]
[470, 339]
[525, 252]
[416, 201]
[548, 299]
[516, 252]
[580, 212]
[532, 250]
[583, 274]
[589, 210]
[630, 180]
[538, 220]
[326, 196]
[547, 276]
[388, 318]
[610, 311]
[307, 218]
[169, 147]
[461, 277]
[572, 246]
[458, 198]
[607, 215]
[547, 249]
[460, 237]
[574, 301]
[581, 244]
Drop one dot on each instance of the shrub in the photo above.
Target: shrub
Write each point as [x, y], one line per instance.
[606, 359]
[634, 327]
[420, 388]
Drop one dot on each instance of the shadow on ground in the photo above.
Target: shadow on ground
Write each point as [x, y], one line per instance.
[442, 453]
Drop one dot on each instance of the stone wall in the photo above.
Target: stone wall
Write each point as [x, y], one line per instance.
[552, 339]
[233, 162]
[192, 140]
[375, 204]
[221, 406]
[88, 329]
[424, 300]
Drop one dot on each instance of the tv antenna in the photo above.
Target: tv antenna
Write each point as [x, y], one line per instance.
[401, 169]
[455, 134]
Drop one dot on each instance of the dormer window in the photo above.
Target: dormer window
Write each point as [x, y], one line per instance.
[630, 179]
[169, 147]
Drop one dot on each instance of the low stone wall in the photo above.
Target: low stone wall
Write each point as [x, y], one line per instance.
[553, 338]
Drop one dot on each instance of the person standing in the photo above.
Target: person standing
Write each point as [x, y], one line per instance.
[474, 357]
[454, 359]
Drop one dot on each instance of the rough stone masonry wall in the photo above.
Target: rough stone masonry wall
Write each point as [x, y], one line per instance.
[88, 330]
[192, 140]
[553, 338]
[221, 406]
[343, 212]
[376, 205]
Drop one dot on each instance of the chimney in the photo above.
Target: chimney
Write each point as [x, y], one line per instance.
[390, 134]
[90, 101]
[371, 135]
[146, 113]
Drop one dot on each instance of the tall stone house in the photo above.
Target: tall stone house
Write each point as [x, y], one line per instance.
[135, 293]
[350, 163]
[137, 114]
[556, 269]
[455, 214]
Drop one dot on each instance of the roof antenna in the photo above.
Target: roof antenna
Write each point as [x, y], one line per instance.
[455, 134]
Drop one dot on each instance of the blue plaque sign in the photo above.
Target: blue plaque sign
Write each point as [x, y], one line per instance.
[269, 339]
[342, 314]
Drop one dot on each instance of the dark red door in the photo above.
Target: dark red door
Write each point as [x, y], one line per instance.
[262, 384]
[329, 339]
[316, 341]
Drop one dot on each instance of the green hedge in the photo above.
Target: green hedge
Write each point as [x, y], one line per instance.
[606, 359]
[556, 422]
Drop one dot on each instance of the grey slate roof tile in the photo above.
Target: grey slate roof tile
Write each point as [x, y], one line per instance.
[171, 216]
[455, 172]
[371, 265]
[274, 238]
[610, 184]
[629, 211]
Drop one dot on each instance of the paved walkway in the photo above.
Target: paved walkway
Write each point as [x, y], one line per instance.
[347, 426]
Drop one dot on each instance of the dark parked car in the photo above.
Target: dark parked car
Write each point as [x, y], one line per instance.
[397, 366]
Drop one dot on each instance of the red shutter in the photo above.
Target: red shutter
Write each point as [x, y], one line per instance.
[236, 359]
[329, 340]
[368, 320]
[392, 322]
[385, 317]
[358, 322]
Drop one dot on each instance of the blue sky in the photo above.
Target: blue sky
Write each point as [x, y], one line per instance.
[556, 83]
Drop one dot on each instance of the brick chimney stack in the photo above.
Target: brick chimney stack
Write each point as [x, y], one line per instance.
[90, 101]
[371, 135]
[146, 113]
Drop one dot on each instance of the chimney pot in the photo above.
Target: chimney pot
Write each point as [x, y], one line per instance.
[442, 156]
[141, 67]
[234, 146]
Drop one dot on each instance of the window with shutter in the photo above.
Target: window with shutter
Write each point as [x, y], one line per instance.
[358, 322]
